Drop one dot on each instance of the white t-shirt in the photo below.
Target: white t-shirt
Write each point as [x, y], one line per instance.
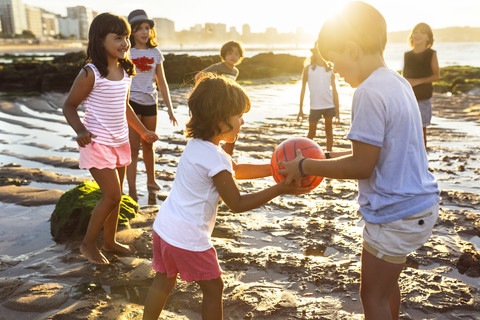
[186, 219]
[320, 87]
[385, 114]
[143, 90]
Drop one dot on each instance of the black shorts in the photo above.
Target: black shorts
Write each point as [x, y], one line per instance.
[315, 115]
[143, 110]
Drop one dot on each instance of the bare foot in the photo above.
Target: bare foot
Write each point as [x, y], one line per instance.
[119, 248]
[153, 187]
[93, 254]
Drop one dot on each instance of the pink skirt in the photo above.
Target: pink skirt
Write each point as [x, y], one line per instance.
[191, 265]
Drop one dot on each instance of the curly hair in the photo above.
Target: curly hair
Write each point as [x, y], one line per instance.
[102, 25]
[214, 100]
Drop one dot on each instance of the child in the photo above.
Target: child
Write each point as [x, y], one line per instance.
[148, 62]
[323, 96]
[231, 54]
[184, 223]
[102, 85]
[398, 196]
[421, 69]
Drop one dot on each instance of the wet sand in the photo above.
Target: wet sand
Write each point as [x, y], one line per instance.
[294, 258]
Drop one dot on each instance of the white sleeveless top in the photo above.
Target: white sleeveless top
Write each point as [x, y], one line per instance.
[105, 109]
[320, 87]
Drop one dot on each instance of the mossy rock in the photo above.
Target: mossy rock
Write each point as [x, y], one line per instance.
[72, 213]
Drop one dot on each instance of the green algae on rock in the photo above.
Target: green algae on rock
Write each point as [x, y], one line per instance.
[70, 218]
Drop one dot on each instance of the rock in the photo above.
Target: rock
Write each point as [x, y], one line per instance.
[469, 262]
[27, 196]
[72, 213]
[38, 298]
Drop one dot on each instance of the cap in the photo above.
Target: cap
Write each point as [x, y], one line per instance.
[139, 15]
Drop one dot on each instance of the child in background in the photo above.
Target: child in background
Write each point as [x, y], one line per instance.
[421, 69]
[102, 85]
[231, 54]
[323, 96]
[148, 62]
[398, 196]
[185, 221]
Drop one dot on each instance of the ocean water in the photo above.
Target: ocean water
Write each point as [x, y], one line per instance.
[449, 53]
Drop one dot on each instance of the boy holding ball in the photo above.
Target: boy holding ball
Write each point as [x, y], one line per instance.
[398, 196]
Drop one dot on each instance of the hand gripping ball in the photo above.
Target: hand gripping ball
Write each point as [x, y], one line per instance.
[287, 151]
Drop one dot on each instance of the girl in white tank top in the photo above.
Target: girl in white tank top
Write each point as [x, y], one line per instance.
[323, 97]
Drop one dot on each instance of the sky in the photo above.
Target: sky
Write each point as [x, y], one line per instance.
[284, 15]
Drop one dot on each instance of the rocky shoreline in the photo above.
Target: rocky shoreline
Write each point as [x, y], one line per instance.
[294, 258]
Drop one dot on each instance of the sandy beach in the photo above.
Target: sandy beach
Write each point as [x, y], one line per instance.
[293, 258]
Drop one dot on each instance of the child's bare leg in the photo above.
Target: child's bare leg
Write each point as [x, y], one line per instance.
[312, 129]
[212, 305]
[157, 295]
[379, 288]
[110, 228]
[107, 180]
[132, 167]
[329, 133]
[425, 137]
[150, 122]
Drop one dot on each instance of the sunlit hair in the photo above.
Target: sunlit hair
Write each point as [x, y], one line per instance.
[101, 26]
[152, 42]
[358, 22]
[228, 47]
[316, 59]
[424, 28]
[214, 100]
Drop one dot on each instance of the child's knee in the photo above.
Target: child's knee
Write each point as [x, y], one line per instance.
[212, 288]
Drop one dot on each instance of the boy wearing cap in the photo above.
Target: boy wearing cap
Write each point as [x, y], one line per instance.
[398, 196]
[148, 62]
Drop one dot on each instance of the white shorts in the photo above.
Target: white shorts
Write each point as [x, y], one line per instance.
[393, 241]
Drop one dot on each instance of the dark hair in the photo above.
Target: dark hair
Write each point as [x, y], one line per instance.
[316, 59]
[358, 22]
[213, 101]
[152, 42]
[228, 47]
[422, 27]
[102, 25]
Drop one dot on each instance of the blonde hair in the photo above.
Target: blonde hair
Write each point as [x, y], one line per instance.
[358, 22]
[424, 28]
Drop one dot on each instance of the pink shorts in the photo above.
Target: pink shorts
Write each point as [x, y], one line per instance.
[191, 265]
[100, 156]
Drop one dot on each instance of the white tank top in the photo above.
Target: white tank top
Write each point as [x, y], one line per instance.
[320, 86]
[105, 109]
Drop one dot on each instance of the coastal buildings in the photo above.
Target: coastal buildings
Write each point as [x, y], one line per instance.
[13, 16]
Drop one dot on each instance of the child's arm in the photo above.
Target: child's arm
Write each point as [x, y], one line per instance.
[302, 92]
[357, 165]
[137, 125]
[81, 87]
[336, 102]
[435, 73]
[165, 92]
[251, 171]
[228, 190]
